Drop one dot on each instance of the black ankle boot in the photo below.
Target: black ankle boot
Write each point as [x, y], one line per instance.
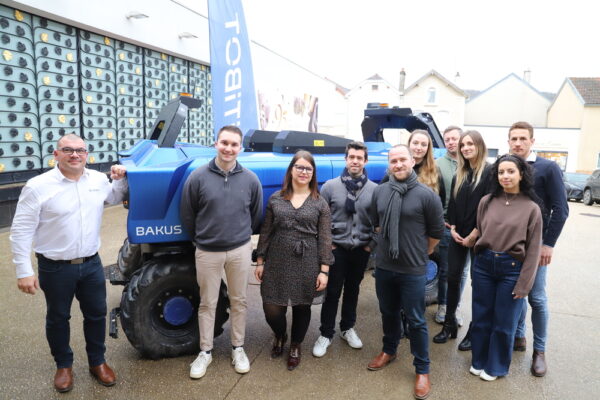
[278, 344]
[465, 344]
[449, 330]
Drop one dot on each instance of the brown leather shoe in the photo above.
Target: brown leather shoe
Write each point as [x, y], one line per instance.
[104, 374]
[294, 356]
[538, 364]
[63, 379]
[520, 344]
[422, 386]
[382, 360]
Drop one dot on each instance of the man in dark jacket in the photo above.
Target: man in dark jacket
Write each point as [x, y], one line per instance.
[221, 205]
[409, 219]
[349, 198]
[551, 190]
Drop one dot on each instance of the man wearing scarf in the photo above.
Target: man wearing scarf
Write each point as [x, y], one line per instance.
[409, 219]
[349, 197]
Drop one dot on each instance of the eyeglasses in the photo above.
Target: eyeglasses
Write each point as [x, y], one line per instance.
[301, 168]
[69, 151]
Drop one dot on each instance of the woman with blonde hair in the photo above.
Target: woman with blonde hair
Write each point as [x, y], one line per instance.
[471, 183]
[421, 148]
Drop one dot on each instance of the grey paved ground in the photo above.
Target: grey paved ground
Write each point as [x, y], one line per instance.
[26, 367]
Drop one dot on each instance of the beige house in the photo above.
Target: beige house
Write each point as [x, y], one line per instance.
[438, 96]
[372, 90]
[508, 100]
[577, 105]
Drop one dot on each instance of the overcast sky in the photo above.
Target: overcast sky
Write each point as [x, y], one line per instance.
[348, 41]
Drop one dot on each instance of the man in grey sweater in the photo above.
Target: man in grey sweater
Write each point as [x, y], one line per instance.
[349, 198]
[221, 205]
[409, 219]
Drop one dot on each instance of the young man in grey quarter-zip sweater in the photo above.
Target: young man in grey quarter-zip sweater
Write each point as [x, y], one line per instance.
[221, 205]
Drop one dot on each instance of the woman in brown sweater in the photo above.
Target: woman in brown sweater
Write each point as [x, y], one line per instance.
[509, 222]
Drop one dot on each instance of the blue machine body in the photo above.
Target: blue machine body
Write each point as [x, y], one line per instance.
[158, 167]
[156, 176]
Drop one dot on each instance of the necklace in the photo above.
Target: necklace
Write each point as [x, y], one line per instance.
[509, 200]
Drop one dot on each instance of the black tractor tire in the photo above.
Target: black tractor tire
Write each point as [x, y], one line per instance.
[587, 197]
[146, 293]
[129, 258]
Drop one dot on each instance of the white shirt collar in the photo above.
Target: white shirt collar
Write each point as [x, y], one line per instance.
[532, 157]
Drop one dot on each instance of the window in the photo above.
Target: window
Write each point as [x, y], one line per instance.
[374, 88]
[431, 95]
[493, 153]
[559, 157]
[598, 162]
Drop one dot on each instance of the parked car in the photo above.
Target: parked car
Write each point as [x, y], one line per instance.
[574, 184]
[591, 191]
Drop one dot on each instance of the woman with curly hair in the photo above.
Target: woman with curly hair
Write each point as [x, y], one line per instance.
[509, 222]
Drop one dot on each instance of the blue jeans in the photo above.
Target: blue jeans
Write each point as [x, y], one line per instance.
[539, 311]
[443, 269]
[60, 283]
[396, 291]
[495, 312]
[346, 273]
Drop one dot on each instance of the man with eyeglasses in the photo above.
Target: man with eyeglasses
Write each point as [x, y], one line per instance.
[221, 206]
[349, 198]
[60, 212]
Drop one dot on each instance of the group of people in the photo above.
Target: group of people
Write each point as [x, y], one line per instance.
[313, 248]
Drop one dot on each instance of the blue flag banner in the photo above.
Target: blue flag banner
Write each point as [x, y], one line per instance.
[233, 94]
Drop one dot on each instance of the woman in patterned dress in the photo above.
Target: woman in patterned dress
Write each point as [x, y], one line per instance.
[294, 254]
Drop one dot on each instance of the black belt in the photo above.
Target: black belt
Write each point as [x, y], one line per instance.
[80, 260]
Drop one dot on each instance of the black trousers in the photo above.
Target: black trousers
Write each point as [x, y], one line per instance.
[457, 257]
[345, 274]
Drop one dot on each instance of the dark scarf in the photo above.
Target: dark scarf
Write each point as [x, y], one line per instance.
[353, 185]
[390, 225]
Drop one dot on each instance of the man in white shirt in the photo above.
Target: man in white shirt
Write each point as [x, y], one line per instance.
[60, 213]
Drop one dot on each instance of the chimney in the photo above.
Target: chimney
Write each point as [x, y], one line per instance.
[457, 78]
[402, 81]
[527, 75]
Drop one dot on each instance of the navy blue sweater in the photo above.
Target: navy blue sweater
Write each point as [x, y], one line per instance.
[550, 189]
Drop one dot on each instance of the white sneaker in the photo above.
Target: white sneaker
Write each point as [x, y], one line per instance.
[198, 367]
[476, 372]
[459, 317]
[240, 361]
[320, 347]
[352, 338]
[487, 377]
[440, 315]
